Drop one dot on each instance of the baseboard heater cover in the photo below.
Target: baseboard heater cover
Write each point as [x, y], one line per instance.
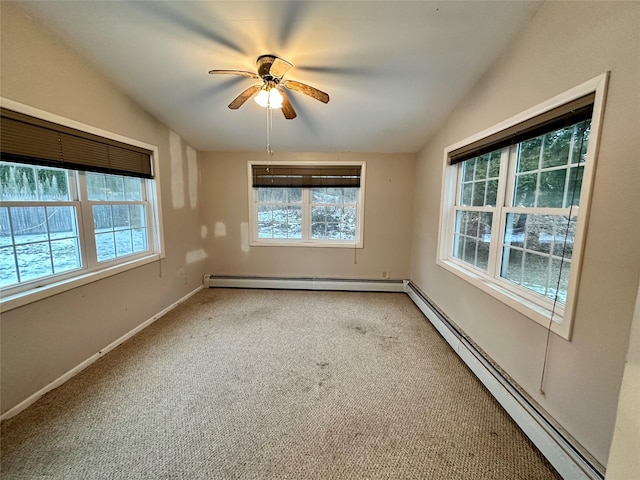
[567, 457]
[304, 283]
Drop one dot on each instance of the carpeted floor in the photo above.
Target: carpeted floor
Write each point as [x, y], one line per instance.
[262, 384]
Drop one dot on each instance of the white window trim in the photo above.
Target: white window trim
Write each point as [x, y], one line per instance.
[82, 277]
[532, 306]
[254, 241]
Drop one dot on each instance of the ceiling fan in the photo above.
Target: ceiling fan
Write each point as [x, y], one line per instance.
[271, 70]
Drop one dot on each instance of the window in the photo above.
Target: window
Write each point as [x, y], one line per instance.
[514, 207]
[302, 204]
[61, 226]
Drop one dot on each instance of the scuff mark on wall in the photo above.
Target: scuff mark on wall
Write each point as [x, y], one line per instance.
[204, 231]
[192, 176]
[177, 170]
[244, 237]
[195, 256]
[220, 230]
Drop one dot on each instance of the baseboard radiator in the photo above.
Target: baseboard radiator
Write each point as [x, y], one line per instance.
[564, 453]
[304, 283]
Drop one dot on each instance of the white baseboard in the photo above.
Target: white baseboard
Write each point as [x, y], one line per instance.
[305, 283]
[565, 457]
[78, 368]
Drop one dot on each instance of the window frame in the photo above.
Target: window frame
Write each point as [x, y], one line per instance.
[534, 306]
[306, 240]
[38, 289]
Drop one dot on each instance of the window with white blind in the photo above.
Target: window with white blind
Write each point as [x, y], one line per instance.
[515, 203]
[300, 204]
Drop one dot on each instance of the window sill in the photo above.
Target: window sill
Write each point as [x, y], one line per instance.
[302, 243]
[538, 312]
[10, 302]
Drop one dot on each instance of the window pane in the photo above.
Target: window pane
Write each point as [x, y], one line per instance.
[124, 243]
[271, 195]
[544, 246]
[540, 233]
[53, 184]
[525, 190]
[515, 230]
[265, 221]
[318, 214]
[46, 242]
[559, 280]
[473, 234]
[18, 183]
[29, 224]
[105, 246]
[34, 261]
[66, 255]
[8, 271]
[467, 194]
[494, 164]
[327, 195]
[535, 275]
[479, 191]
[551, 188]
[62, 222]
[471, 222]
[318, 230]
[132, 188]
[468, 168]
[482, 164]
[469, 254]
[5, 227]
[579, 153]
[137, 216]
[294, 222]
[96, 186]
[102, 218]
[564, 237]
[492, 193]
[115, 187]
[556, 147]
[529, 155]
[574, 187]
[482, 260]
[512, 265]
[120, 216]
[294, 195]
[349, 216]
[350, 195]
[139, 236]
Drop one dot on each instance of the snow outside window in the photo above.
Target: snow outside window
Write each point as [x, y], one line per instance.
[307, 216]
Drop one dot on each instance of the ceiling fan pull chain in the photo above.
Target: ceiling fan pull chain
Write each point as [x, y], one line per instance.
[269, 124]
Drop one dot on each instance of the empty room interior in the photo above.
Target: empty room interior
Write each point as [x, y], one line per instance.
[298, 216]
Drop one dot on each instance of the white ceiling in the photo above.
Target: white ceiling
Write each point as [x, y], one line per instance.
[393, 69]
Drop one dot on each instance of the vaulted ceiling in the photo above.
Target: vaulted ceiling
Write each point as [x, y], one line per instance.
[393, 69]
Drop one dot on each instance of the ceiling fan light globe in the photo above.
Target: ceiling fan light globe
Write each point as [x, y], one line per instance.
[275, 98]
[262, 98]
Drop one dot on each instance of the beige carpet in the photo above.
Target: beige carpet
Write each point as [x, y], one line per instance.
[261, 384]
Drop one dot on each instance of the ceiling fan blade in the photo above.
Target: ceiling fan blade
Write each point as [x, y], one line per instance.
[244, 96]
[235, 72]
[287, 109]
[307, 90]
[279, 67]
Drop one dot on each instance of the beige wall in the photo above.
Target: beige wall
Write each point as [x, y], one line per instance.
[387, 221]
[566, 44]
[46, 339]
[624, 461]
